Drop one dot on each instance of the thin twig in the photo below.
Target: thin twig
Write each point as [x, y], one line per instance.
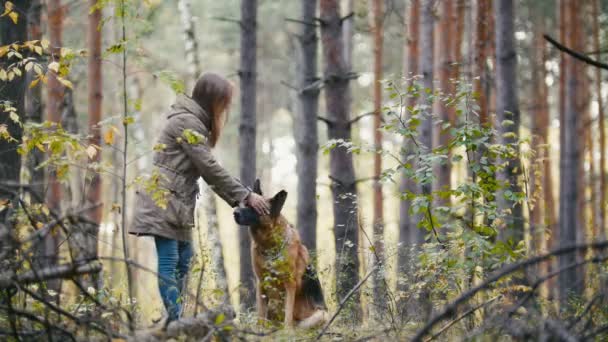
[346, 298]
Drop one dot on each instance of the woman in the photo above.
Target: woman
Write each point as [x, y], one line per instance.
[192, 127]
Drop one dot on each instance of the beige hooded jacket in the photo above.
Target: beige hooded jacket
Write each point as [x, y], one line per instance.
[184, 158]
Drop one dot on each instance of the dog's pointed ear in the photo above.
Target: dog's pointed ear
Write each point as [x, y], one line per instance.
[277, 202]
[257, 188]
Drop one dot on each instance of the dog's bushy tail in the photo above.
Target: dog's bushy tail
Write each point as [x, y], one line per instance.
[311, 287]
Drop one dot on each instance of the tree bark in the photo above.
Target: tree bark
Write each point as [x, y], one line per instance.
[407, 229]
[540, 173]
[54, 109]
[377, 25]
[342, 173]
[570, 282]
[95, 89]
[14, 92]
[444, 65]
[247, 133]
[600, 231]
[481, 40]
[34, 107]
[305, 127]
[507, 108]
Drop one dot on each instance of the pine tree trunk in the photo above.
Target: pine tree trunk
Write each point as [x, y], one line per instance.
[379, 284]
[247, 133]
[426, 38]
[10, 167]
[410, 67]
[305, 127]
[54, 104]
[570, 281]
[342, 173]
[94, 193]
[540, 212]
[481, 40]
[600, 232]
[507, 108]
[445, 41]
[34, 108]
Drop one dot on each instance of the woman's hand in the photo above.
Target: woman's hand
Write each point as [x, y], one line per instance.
[258, 203]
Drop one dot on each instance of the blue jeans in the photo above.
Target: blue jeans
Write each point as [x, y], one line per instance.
[173, 263]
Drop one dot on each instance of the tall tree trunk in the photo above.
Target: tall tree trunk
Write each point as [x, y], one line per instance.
[54, 104]
[600, 232]
[95, 79]
[407, 229]
[507, 108]
[208, 196]
[34, 108]
[377, 25]
[305, 128]
[570, 281]
[247, 133]
[444, 66]
[425, 129]
[483, 11]
[12, 91]
[342, 173]
[540, 172]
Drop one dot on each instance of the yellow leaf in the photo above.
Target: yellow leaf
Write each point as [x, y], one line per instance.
[38, 50]
[4, 50]
[108, 137]
[54, 66]
[3, 75]
[40, 147]
[29, 66]
[45, 210]
[66, 83]
[8, 6]
[37, 69]
[11, 75]
[91, 151]
[39, 225]
[14, 16]
[34, 82]
[45, 44]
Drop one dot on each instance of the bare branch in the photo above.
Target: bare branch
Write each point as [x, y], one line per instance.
[577, 55]
[230, 20]
[326, 120]
[8, 279]
[359, 117]
[451, 308]
[346, 17]
[347, 297]
[308, 23]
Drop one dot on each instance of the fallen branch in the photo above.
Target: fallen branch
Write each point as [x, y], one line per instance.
[9, 279]
[201, 327]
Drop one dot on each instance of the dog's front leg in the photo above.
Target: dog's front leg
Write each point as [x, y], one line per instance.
[261, 301]
[290, 301]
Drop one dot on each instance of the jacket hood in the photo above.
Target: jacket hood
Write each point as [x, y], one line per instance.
[184, 103]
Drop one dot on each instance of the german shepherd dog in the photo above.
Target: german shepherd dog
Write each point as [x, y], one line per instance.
[287, 286]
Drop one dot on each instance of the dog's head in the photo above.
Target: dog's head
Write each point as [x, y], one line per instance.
[249, 217]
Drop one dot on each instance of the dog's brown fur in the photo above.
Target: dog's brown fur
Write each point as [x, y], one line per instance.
[280, 264]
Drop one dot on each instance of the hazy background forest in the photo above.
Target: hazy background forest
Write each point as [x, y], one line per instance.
[445, 162]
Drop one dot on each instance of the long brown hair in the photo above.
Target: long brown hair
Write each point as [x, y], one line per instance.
[213, 93]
